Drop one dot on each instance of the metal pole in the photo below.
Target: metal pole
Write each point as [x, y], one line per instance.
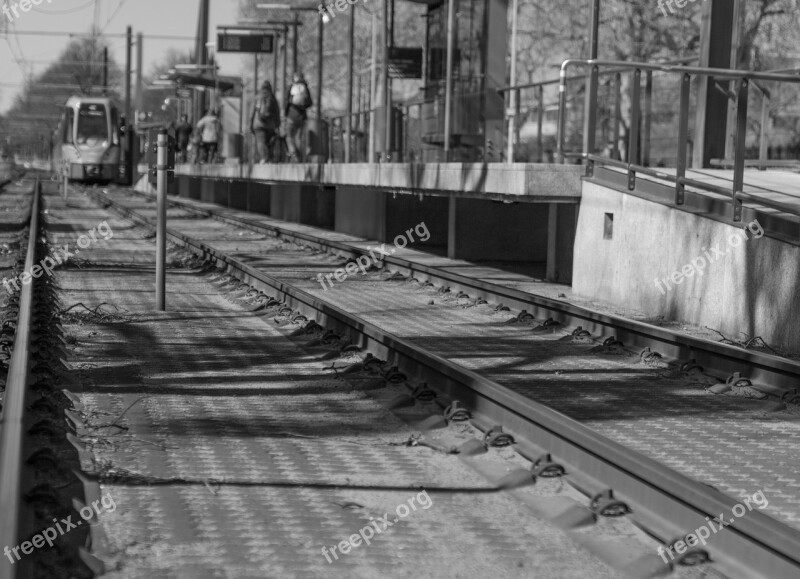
[373, 85]
[161, 221]
[590, 107]
[617, 114]
[513, 95]
[633, 135]
[739, 148]
[294, 43]
[241, 124]
[275, 70]
[285, 64]
[595, 30]
[128, 42]
[647, 117]
[539, 125]
[387, 99]
[139, 71]
[351, 26]
[320, 44]
[105, 71]
[255, 98]
[762, 136]
[683, 138]
[448, 87]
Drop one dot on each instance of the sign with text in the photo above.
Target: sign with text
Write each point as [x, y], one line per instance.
[405, 62]
[244, 41]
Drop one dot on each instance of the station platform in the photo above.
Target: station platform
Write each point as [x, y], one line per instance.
[465, 205]
[692, 262]
[533, 182]
[666, 415]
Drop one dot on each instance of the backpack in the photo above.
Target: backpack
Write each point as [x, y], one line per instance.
[299, 96]
[264, 115]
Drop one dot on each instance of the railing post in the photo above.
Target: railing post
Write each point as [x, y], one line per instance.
[739, 148]
[633, 134]
[647, 117]
[617, 114]
[683, 138]
[590, 118]
[562, 115]
[539, 125]
[762, 137]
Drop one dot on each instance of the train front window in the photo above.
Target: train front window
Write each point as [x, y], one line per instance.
[92, 124]
[69, 121]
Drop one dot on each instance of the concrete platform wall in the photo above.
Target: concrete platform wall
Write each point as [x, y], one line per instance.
[548, 182]
[307, 204]
[670, 263]
[383, 216]
[492, 230]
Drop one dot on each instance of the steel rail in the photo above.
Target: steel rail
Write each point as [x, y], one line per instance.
[665, 501]
[772, 373]
[13, 415]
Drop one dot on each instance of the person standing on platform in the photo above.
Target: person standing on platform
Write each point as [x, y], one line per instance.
[298, 101]
[265, 121]
[210, 129]
[183, 132]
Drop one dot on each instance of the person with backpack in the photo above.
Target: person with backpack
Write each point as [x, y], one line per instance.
[210, 130]
[183, 133]
[265, 121]
[298, 101]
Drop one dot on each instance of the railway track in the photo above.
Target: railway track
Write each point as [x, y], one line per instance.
[17, 397]
[37, 481]
[662, 501]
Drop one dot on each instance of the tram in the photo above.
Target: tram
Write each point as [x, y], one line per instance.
[88, 140]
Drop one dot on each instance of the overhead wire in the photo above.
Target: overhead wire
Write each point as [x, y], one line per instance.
[120, 4]
[67, 11]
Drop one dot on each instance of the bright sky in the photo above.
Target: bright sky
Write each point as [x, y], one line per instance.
[157, 17]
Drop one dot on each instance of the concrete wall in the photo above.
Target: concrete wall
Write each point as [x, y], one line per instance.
[382, 216]
[300, 203]
[544, 181]
[497, 231]
[361, 212]
[748, 283]
[407, 211]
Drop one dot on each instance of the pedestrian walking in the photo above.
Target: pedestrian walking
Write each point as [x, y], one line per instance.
[183, 132]
[298, 101]
[210, 131]
[265, 121]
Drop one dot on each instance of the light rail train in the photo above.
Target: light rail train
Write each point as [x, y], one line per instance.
[87, 141]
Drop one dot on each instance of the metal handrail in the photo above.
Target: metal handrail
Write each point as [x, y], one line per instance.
[15, 403]
[581, 76]
[745, 78]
